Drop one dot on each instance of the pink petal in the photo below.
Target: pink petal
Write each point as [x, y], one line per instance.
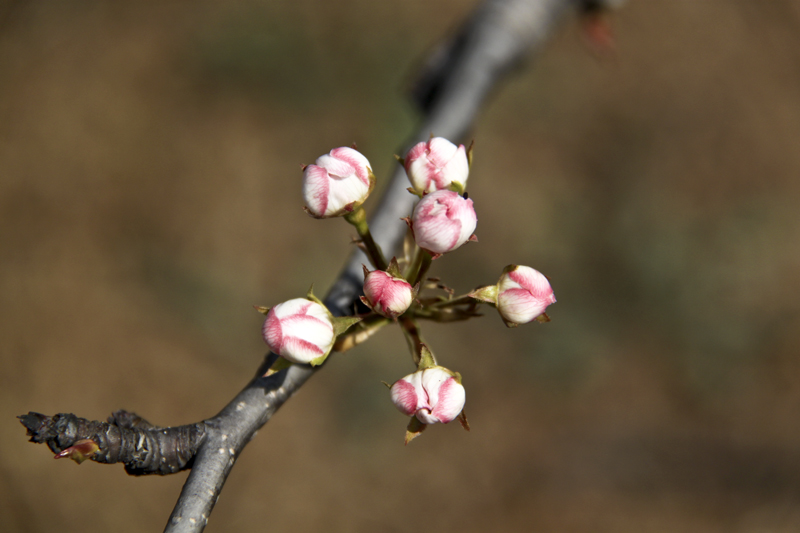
[300, 349]
[316, 189]
[355, 160]
[418, 151]
[404, 396]
[299, 330]
[450, 402]
[441, 151]
[534, 281]
[337, 168]
[443, 221]
[437, 234]
[272, 332]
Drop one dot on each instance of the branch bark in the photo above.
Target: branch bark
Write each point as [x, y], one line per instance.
[125, 438]
[453, 87]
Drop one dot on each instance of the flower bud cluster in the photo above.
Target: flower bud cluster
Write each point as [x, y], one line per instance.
[304, 331]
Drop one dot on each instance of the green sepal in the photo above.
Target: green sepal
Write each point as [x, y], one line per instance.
[356, 216]
[469, 153]
[414, 429]
[486, 294]
[543, 318]
[261, 309]
[414, 293]
[343, 323]
[280, 363]
[340, 323]
[462, 418]
[310, 296]
[319, 360]
[456, 187]
[400, 160]
[394, 269]
[426, 359]
[366, 302]
[510, 268]
[360, 333]
[372, 181]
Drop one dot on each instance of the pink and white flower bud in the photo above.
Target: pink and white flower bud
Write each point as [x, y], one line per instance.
[523, 294]
[437, 165]
[387, 295]
[299, 330]
[432, 395]
[442, 221]
[338, 183]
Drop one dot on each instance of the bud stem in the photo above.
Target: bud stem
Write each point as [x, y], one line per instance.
[413, 337]
[358, 218]
[419, 266]
[461, 300]
[461, 308]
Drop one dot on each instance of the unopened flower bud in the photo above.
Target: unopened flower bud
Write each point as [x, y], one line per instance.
[442, 221]
[300, 330]
[437, 165]
[338, 183]
[523, 294]
[387, 295]
[432, 395]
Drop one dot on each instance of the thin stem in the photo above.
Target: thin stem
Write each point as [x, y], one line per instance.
[413, 266]
[413, 337]
[358, 218]
[461, 300]
[422, 262]
[462, 308]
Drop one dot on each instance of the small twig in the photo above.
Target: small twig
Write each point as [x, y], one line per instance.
[413, 337]
[358, 219]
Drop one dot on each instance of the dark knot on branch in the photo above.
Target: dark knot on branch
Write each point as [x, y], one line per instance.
[124, 438]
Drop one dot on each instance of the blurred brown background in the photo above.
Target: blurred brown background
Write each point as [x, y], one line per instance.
[150, 160]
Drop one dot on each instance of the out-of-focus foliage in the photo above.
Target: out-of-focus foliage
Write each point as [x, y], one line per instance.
[150, 194]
